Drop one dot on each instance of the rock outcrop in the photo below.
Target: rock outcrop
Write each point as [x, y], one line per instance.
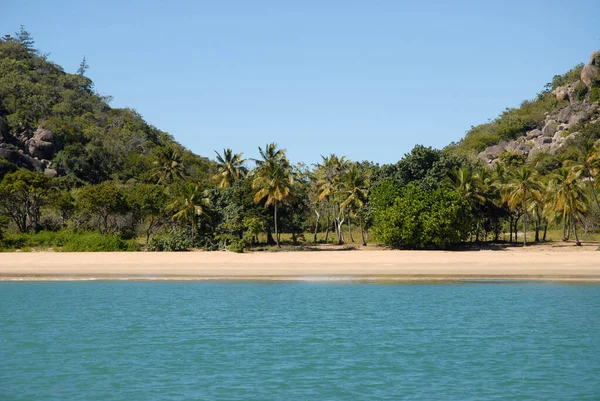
[31, 151]
[42, 144]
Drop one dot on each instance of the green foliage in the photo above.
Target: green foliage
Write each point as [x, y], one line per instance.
[512, 159]
[594, 94]
[98, 143]
[22, 194]
[6, 167]
[509, 125]
[4, 221]
[171, 241]
[419, 219]
[569, 77]
[579, 92]
[103, 202]
[69, 241]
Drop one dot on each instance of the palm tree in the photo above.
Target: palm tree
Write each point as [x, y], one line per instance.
[273, 180]
[330, 174]
[192, 204]
[169, 167]
[356, 183]
[587, 162]
[521, 187]
[230, 168]
[567, 197]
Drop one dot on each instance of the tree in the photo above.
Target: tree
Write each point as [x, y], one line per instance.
[329, 184]
[423, 219]
[22, 194]
[190, 205]
[567, 198]
[356, 183]
[104, 200]
[522, 186]
[168, 167]
[25, 38]
[83, 67]
[146, 202]
[273, 180]
[230, 168]
[587, 162]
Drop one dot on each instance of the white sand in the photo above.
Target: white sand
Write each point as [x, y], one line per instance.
[546, 262]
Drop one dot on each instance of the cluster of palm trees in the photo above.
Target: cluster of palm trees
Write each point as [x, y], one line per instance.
[338, 192]
[563, 196]
[342, 189]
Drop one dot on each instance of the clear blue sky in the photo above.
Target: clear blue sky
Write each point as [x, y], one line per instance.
[366, 79]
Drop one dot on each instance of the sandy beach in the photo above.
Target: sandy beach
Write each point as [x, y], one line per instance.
[545, 262]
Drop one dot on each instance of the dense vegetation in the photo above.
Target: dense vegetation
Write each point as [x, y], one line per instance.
[113, 182]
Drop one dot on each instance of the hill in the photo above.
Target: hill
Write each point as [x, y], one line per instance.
[54, 122]
[547, 128]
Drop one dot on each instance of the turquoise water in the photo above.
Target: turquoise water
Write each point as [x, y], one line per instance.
[285, 341]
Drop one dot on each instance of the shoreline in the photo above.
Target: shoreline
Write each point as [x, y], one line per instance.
[515, 264]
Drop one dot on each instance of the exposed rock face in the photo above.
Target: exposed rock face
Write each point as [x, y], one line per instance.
[550, 128]
[50, 172]
[561, 93]
[590, 75]
[42, 144]
[17, 157]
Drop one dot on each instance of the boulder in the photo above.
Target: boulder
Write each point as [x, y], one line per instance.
[523, 149]
[511, 146]
[542, 140]
[50, 172]
[595, 59]
[590, 75]
[550, 128]
[561, 93]
[534, 133]
[578, 117]
[564, 114]
[492, 152]
[17, 157]
[42, 144]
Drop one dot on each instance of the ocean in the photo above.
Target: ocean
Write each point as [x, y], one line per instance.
[128, 341]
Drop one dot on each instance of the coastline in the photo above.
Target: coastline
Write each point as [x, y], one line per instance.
[544, 263]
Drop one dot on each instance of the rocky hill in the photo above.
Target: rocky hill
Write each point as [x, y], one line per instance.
[55, 122]
[577, 107]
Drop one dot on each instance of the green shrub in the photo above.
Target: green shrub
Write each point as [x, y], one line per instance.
[69, 241]
[97, 242]
[594, 95]
[423, 219]
[579, 92]
[169, 242]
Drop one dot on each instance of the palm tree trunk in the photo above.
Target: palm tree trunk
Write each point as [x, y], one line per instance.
[590, 179]
[545, 229]
[350, 228]
[316, 226]
[524, 223]
[537, 226]
[362, 232]
[577, 242]
[276, 233]
[328, 225]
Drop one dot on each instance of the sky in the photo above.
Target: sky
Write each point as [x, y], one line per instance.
[366, 79]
